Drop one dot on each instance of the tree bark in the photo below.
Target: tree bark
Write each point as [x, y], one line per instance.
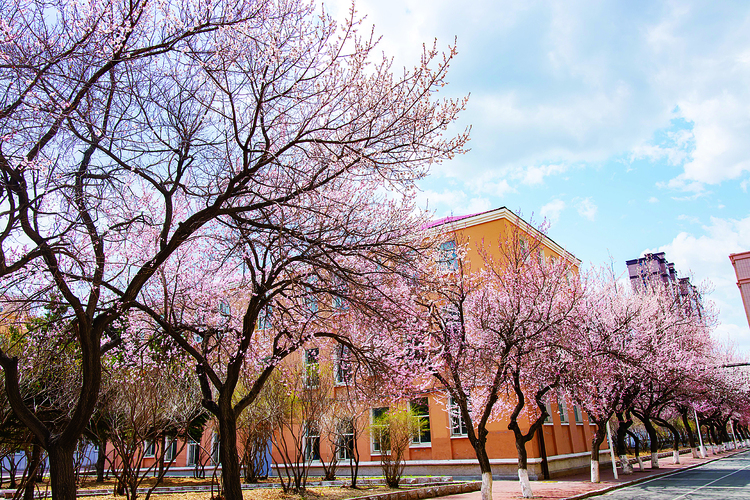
[596, 442]
[620, 450]
[484, 467]
[689, 430]
[675, 438]
[653, 438]
[32, 465]
[637, 442]
[230, 463]
[101, 461]
[62, 472]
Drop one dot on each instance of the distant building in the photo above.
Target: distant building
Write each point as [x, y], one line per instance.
[741, 263]
[654, 267]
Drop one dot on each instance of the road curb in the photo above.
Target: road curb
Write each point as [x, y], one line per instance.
[602, 491]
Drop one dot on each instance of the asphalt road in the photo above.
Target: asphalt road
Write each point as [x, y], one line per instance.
[728, 478]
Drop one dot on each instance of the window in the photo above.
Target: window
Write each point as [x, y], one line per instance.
[215, 444]
[548, 407]
[577, 414]
[342, 366]
[345, 444]
[312, 442]
[458, 426]
[224, 308]
[339, 302]
[312, 368]
[562, 408]
[524, 246]
[448, 256]
[420, 409]
[149, 449]
[170, 453]
[452, 319]
[264, 318]
[193, 452]
[379, 430]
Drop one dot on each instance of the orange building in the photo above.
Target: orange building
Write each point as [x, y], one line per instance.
[441, 446]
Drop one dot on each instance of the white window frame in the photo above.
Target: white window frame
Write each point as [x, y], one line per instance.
[418, 439]
[311, 372]
[577, 414]
[448, 255]
[346, 436]
[215, 449]
[548, 407]
[225, 308]
[342, 366]
[149, 449]
[170, 449]
[312, 443]
[562, 409]
[193, 453]
[456, 420]
[375, 444]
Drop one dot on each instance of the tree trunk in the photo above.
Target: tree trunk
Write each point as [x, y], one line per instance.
[523, 472]
[654, 438]
[230, 463]
[486, 469]
[622, 430]
[675, 438]
[101, 461]
[32, 465]
[163, 444]
[596, 442]
[689, 430]
[637, 442]
[714, 440]
[62, 472]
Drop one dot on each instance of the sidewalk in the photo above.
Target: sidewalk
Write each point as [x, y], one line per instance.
[578, 486]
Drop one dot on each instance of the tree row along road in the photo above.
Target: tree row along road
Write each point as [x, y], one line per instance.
[728, 478]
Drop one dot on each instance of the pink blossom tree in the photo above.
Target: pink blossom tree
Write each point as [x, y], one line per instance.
[492, 336]
[131, 130]
[600, 379]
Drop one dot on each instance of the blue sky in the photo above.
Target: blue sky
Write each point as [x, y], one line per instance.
[625, 124]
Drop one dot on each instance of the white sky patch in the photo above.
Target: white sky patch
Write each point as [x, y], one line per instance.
[535, 175]
[675, 151]
[452, 203]
[587, 208]
[706, 257]
[653, 199]
[552, 210]
[689, 218]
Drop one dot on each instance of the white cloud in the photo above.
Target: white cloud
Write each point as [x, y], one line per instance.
[706, 257]
[653, 199]
[559, 83]
[551, 211]
[455, 202]
[688, 218]
[536, 174]
[587, 208]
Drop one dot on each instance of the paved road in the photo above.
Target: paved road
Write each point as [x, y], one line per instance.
[728, 478]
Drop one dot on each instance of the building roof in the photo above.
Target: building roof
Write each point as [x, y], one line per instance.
[458, 222]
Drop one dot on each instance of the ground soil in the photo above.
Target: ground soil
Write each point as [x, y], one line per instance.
[313, 493]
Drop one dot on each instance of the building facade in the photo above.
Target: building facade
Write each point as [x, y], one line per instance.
[441, 446]
[741, 264]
